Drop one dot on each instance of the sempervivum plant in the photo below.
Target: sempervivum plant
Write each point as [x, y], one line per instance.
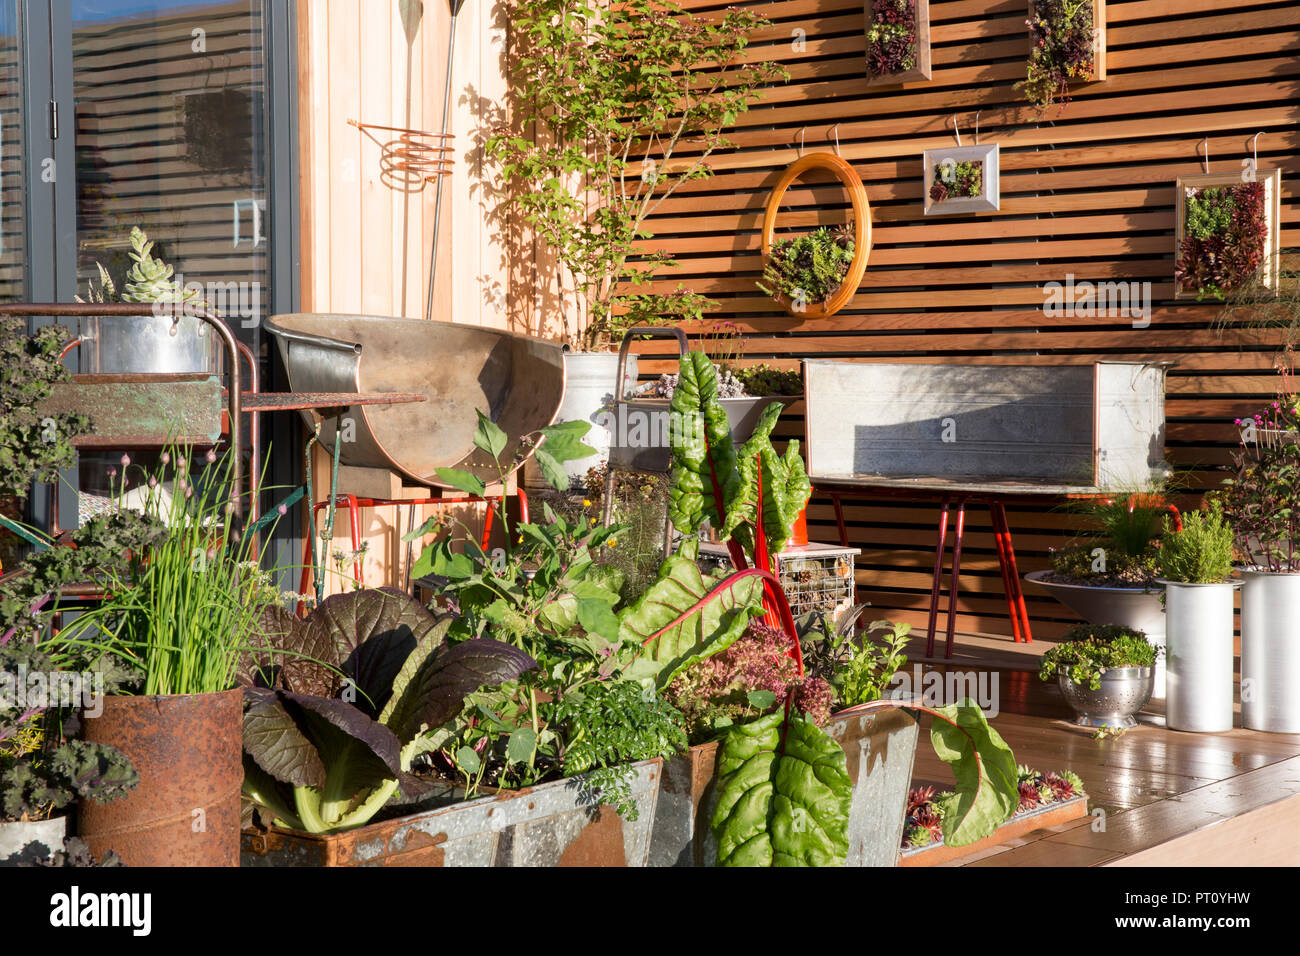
[891, 37]
[923, 824]
[1063, 50]
[1225, 237]
[953, 180]
[811, 267]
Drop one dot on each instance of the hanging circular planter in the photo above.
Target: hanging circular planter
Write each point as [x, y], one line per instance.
[842, 171]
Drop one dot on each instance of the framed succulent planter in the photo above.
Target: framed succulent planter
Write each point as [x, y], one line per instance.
[960, 180]
[1067, 47]
[898, 41]
[815, 275]
[1226, 233]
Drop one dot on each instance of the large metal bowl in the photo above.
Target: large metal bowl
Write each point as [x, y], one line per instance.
[1123, 692]
[516, 380]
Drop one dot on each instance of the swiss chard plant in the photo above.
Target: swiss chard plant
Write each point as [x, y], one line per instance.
[349, 699]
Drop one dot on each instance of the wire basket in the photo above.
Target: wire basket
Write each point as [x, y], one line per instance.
[815, 577]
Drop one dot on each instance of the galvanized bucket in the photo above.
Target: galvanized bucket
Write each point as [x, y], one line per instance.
[879, 746]
[25, 841]
[553, 824]
[188, 750]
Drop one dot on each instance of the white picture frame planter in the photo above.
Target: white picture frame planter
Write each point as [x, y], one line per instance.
[988, 198]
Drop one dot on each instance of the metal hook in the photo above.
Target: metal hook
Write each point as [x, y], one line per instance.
[1254, 147]
[1206, 143]
[977, 126]
[802, 133]
[956, 132]
[836, 130]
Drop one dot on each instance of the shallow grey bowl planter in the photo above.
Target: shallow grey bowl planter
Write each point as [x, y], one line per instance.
[1136, 608]
[27, 841]
[551, 824]
[1199, 650]
[1270, 651]
[879, 747]
[1124, 691]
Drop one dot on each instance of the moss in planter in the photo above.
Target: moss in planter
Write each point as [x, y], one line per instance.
[1061, 34]
[891, 37]
[964, 180]
[1225, 238]
[809, 268]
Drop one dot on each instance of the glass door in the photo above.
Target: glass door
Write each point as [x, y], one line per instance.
[13, 186]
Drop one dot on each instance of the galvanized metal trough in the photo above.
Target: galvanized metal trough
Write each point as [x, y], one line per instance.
[1098, 427]
[879, 746]
[518, 381]
[552, 824]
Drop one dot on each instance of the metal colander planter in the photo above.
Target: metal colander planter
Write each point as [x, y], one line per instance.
[1123, 692]
[879, 747]
[551, 824]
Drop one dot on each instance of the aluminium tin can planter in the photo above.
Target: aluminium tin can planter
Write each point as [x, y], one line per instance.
[551, 824]
[1270, 651]
[880, 747]
[1200, 656]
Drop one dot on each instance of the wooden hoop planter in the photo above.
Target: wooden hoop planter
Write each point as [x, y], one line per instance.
[861, 228]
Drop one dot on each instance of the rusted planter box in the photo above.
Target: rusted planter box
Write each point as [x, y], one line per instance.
[880, 748]
[546, 825]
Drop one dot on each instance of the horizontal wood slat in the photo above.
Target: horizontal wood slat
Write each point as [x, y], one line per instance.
[1087, 190]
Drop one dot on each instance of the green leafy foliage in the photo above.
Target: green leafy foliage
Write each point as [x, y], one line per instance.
[1225, 239]
[609, 725]
[1262, 498]
[327, 763]
[605, 102]
[762, 380]
[957, 180]
[1087, 651]
[33, 445]
[861, 667]
[811, 267]
[986, 795]
[1202, 552]
[783, 482]
[783, 795]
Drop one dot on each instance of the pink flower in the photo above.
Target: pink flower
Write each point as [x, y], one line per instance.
[126, 460]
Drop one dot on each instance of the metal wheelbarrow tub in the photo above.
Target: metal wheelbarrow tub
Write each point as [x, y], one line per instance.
[518, 381]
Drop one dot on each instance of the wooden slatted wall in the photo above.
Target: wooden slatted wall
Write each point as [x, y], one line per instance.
[1088, 190]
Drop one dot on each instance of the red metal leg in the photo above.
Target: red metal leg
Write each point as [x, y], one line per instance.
[1014, 573]
[523, 504]
[1000, 539]
[938, 579]
[839, 519]
[954, 581]
[355, 514]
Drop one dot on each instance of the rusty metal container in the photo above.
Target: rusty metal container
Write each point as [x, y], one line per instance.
[516, 380]
[879, 748]
[188, 750]
[546, 825]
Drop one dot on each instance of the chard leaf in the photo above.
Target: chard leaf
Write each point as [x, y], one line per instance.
[437, 691]
[988, 792]
[704, 456]
[781, 802]
[785, 487]
[595, 616]
[710, 629]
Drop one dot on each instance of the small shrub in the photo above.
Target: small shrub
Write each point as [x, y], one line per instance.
[1087, 651]
[1202, 552]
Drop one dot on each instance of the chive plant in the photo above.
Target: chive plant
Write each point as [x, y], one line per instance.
[184, 609]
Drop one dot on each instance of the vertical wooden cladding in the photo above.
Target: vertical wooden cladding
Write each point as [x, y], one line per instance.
[922, 70]
[1086, 191]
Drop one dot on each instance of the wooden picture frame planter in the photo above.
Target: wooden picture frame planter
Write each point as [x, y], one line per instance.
[550, 824]
[852, 182]
[921, 70]
[1271, 212]
[1052, 815]
[1098, 42]
[989, 196]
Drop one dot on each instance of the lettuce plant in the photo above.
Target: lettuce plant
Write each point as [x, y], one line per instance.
[351, 694]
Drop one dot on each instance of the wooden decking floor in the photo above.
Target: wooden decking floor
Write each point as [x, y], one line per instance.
[1157, 796]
